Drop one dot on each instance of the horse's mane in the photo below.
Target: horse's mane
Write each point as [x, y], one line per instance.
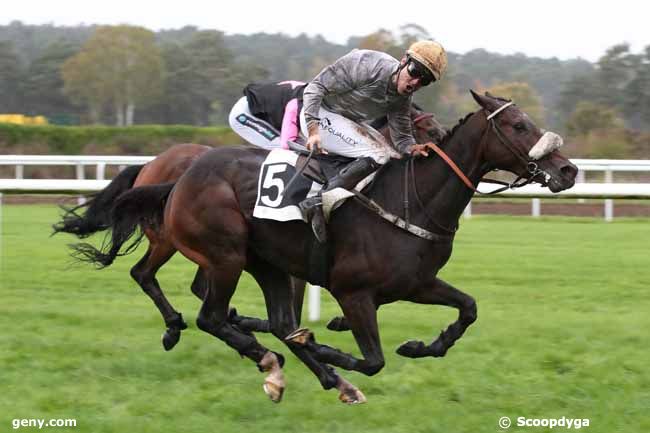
[460, 123]
[453, 130]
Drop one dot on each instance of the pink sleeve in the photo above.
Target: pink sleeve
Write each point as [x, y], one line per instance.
[289, 129]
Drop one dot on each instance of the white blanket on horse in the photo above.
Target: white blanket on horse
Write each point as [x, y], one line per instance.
[273, 201]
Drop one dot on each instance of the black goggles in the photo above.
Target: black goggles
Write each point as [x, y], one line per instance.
[418, 70]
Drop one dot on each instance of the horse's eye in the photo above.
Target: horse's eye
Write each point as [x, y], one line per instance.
[520, 127]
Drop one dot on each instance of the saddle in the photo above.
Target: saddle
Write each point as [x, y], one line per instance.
[319, 167]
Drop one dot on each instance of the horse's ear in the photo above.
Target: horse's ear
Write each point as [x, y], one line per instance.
[480, 99]
[488, 101]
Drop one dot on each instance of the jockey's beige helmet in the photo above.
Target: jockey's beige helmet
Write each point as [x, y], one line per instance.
[430, 54]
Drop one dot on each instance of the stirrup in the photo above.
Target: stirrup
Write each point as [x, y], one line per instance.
[312, 209]
[318, 224]
[307, 205]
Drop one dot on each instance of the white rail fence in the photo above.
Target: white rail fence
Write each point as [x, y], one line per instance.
[607, 190]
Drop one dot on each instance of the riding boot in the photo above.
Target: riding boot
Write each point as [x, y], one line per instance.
[347, 178]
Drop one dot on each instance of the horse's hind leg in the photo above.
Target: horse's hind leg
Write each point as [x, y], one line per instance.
[441, 293]
[253, 324]
[206, 225]
[213, 319]
[279, 296]
[246, 323]
[144, 273]
[199, 284]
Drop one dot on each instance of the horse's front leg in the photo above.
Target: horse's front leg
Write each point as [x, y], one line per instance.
[441, 293]
[361, 314]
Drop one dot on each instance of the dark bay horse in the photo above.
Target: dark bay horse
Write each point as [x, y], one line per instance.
[94, 216]
[207, 216]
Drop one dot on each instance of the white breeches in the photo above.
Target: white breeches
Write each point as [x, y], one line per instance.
[252, 129]
[344, 137]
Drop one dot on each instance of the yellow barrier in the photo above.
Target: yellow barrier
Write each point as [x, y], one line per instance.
[21, 119]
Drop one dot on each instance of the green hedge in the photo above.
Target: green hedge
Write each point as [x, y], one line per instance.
[132, 140]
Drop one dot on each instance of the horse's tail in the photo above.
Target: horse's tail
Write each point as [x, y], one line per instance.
[141, 206]
[94, 215]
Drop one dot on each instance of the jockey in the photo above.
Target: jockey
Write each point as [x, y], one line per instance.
[359, 87]
[268, 114]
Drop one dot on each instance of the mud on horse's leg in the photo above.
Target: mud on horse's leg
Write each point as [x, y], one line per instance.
[144, 273]
[441, 293]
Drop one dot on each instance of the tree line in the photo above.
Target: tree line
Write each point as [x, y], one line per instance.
[125, 75]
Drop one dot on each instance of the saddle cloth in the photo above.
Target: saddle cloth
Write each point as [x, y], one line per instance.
[273, 200]
[276, 203]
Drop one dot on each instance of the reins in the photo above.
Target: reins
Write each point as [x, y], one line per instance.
[531, 167]
[299, 172]
[447, 233]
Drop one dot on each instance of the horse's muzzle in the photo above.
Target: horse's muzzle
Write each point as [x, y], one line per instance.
[565, 178]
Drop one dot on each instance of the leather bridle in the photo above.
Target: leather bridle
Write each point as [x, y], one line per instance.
[532, 169]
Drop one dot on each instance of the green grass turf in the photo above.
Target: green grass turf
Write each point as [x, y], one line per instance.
[562, 331]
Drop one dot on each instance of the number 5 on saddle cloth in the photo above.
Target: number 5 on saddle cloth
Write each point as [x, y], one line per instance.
[274, 201]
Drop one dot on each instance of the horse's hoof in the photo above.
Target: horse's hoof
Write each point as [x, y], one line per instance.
[274, 381]
[170, 337]
[300, 336]
[411, 349]
[273, 390]
[349, 394]
[338, 324]
[352, 396]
